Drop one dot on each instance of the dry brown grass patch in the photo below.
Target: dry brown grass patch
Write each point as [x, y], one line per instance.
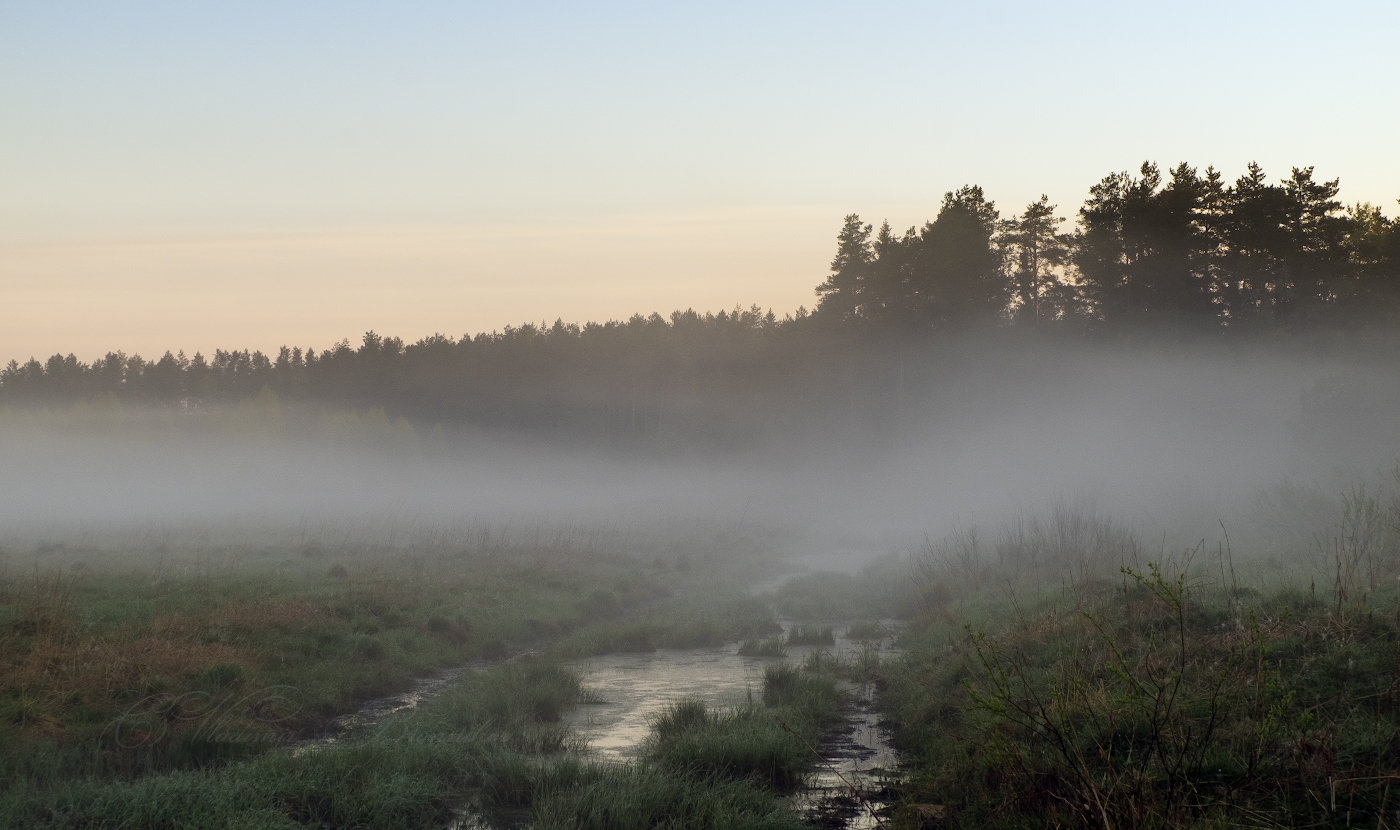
[286, 613]
[103, 668]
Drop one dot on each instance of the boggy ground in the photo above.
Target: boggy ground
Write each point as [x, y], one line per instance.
[134, 665]
[491, 746]
[1182, 692]
[154, 689]
[1054, 676]
[118, 665]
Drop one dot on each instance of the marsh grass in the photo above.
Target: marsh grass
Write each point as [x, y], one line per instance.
[1153, 694]
[707, 621]
[867, 630]
[811, 635]
[810, 692]
[641, 797]
[149, 662]
[701, 767]
[195, 645]
[484, 736]
[480, 743]
[494, 738]
[772, 647]
[745, 743]
[519, 705]
[880, 590]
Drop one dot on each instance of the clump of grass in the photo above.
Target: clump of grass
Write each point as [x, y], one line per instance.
[680, 717]
[811, 635]
[809, 691]
[865, 666]
[642, 797]
[867, 630]
[697, 634]
[520, 703]
[741, 744]
[772, 647]
[769, 744]
[638, 636]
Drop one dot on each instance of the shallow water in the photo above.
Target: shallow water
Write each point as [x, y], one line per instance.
[859, 762]
[636, 688]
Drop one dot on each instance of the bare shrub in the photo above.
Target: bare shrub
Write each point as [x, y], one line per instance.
[1068, 539]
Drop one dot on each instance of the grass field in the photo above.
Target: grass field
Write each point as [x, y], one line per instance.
[119, 668]
[492, 744]
[151, 689]
[1052, 673]
[1085, 685]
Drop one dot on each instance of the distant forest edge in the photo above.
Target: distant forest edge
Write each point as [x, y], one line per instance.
[1181, 256]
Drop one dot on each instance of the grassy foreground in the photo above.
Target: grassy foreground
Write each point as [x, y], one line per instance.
[158, 691]
[128, 663]
[1136, 693]
[492, 744]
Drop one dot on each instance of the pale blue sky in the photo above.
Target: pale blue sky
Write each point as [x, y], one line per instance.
[166, 168]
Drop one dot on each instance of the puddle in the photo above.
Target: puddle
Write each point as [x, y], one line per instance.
[637, 687]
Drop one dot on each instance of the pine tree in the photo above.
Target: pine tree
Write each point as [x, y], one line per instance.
[957, 278]
[840, 294]
[1036, 252]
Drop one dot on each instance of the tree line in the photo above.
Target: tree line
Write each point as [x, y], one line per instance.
[1183, 249]
[639, 377]
[1182, 254]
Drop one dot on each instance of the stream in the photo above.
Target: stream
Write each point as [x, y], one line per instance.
[638, 687]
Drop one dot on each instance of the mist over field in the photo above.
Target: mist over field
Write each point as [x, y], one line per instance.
[1172, 439]
[895, 457]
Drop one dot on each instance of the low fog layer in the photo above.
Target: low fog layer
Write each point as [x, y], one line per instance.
[1172, 441]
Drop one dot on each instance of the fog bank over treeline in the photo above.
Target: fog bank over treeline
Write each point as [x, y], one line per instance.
[972, 431]
[1190, 346]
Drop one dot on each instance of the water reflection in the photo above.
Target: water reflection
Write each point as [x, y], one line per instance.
[636, 688]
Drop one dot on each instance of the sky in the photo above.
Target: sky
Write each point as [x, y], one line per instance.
[192, 176]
